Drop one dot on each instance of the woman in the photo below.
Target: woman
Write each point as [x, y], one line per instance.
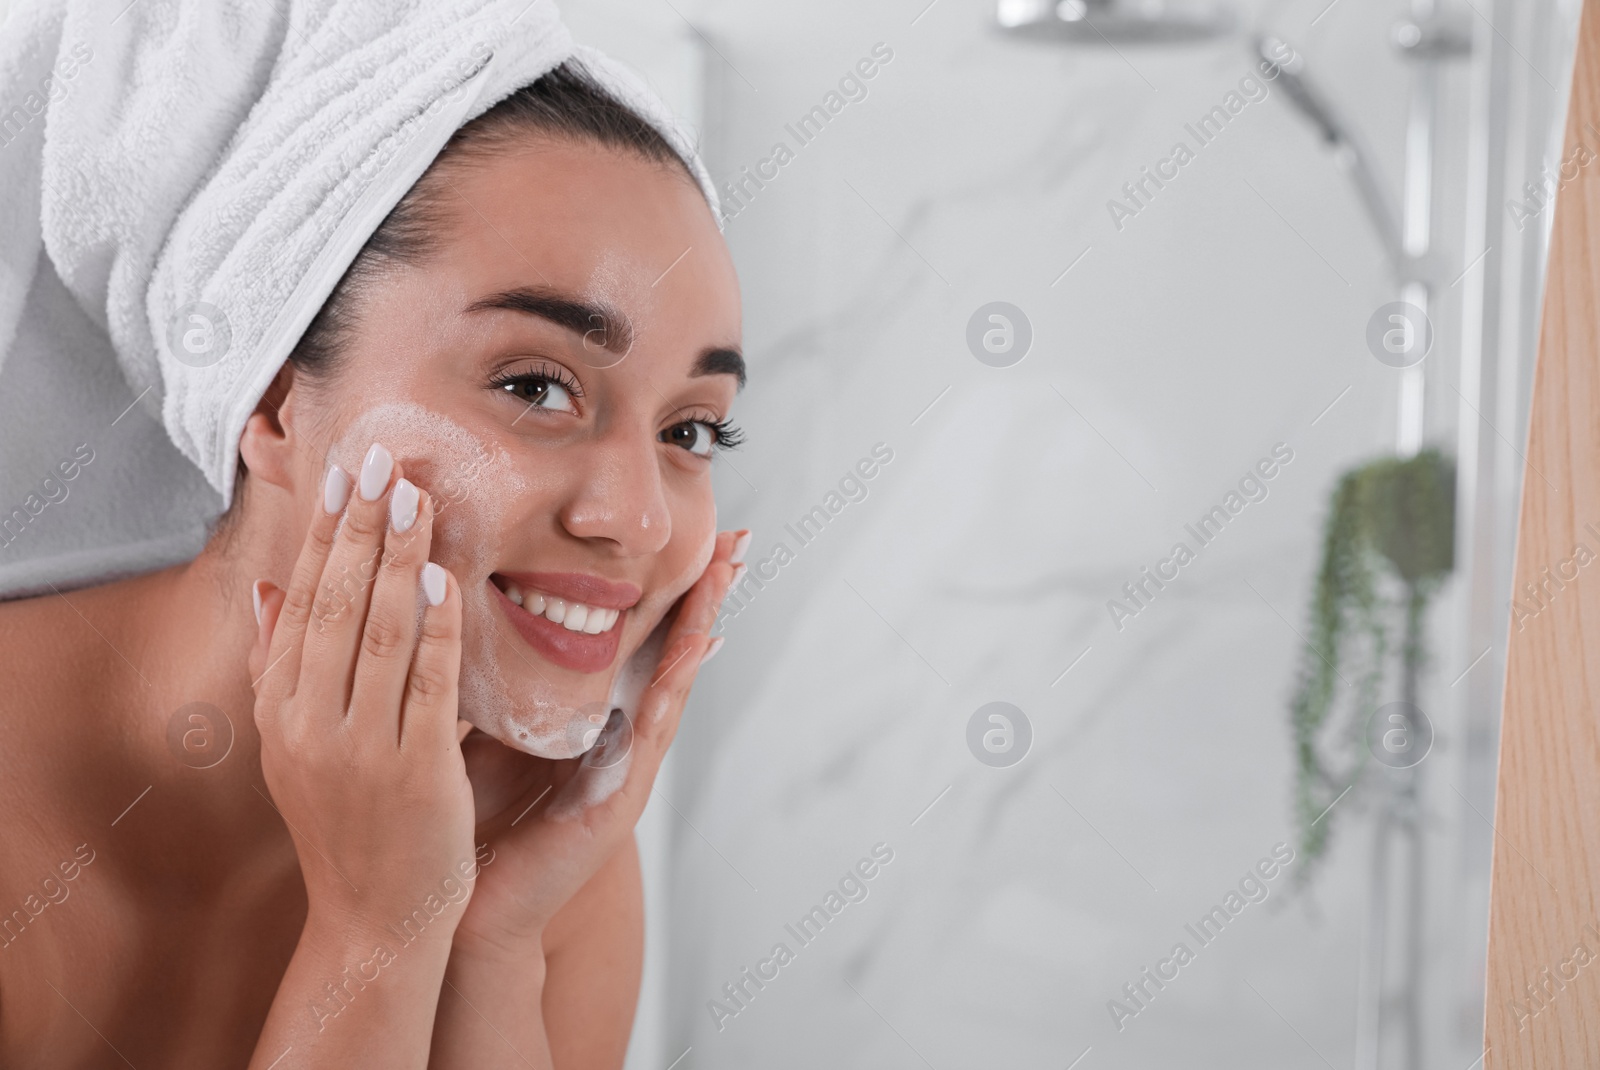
[477, 494]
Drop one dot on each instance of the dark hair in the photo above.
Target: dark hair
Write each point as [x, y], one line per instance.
[565, 103]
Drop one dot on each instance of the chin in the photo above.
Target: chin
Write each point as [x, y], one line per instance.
[541, 686]
[526, 713]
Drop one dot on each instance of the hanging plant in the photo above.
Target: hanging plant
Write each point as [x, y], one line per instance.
[1388, 544]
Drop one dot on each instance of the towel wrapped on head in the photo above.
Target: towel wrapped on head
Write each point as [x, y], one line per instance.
[184, 185]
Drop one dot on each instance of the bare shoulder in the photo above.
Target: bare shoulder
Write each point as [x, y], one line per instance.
[594, 954]
[26, 625]
[44, 663]
[55, 735]
[37, 723]
[67, 648]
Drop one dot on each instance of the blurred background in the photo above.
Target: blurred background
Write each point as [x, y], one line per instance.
[1045, 452]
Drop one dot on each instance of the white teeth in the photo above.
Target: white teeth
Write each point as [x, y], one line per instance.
[574, 616]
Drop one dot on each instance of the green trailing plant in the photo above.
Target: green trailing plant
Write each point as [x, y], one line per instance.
[1388, 544]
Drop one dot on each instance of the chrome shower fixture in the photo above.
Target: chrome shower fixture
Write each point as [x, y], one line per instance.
[1348, 152]
[1114, 22]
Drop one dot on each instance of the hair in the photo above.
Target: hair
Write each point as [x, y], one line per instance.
[566, 103]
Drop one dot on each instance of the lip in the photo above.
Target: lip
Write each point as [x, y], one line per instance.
[578, 587]
[559, 645]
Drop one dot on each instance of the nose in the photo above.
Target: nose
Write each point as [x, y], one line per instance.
[617, 494]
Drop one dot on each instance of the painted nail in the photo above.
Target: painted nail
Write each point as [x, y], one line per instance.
[255, 596]
[403, 505]
[375, 472]
[711, 651]
[433, 584]
[335, 490]
[740, 545]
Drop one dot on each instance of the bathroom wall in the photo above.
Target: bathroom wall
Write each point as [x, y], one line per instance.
[1172, 350]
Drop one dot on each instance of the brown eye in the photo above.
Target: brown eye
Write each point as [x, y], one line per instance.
[538, 392]
[527, 389]
[693, 436]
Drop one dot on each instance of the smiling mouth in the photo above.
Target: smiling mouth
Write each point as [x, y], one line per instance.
[574, 635]
[571, 615]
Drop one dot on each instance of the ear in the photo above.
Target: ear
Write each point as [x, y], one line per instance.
[268, 444]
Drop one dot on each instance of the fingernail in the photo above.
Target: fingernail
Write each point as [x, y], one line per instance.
[433, 583]
[403, 505]
[738, 574]
[335, 490]
[740, 545]
[711, 651]
[375, 472]
[255, 597]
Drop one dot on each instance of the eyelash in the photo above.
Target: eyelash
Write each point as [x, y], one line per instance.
[544, 373]
[727, 434]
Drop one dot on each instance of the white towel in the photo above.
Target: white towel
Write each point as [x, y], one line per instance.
[181, 186]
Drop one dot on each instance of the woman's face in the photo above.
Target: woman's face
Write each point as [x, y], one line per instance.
[553, 377]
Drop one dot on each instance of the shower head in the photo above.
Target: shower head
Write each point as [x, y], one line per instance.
[1113, 22]
[1290, 76]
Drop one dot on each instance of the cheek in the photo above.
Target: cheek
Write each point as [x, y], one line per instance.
[701, 558]
[476, 489]
[693, 552]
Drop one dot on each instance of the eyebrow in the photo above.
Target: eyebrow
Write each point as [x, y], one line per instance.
[720, 361]
[584, 317]
[577, 315]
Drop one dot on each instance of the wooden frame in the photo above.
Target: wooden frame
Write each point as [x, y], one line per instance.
[1542, 1001]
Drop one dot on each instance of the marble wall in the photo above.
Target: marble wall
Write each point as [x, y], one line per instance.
[1172, 350]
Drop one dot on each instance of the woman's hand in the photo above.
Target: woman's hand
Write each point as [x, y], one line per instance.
[357, 713]
[570, 816]
[355, 671]
[552, 824]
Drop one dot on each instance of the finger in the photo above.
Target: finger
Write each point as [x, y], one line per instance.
[687, 643]
[269, 606]
[428, 714]
[288, 637]
[344, 591]
[696, 612]
[389, 636]
[661, 703]
[704, 600]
